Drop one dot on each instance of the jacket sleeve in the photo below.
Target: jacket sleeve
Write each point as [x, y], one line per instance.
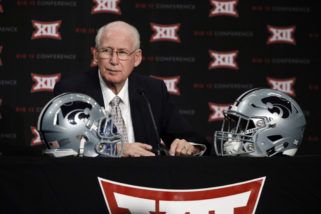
[173, 125]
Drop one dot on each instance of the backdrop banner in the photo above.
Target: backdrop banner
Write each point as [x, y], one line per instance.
[207, 52]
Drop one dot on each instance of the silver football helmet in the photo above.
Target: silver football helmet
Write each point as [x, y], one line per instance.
[261, 123]
[74, 124]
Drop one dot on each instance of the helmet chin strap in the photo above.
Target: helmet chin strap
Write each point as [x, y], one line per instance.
[82, 146]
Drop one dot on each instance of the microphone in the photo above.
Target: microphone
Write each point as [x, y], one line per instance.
[150, 111]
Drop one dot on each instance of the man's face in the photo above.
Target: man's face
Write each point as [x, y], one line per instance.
[113, 70]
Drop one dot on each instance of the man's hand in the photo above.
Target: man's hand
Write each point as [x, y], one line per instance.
[136, 150]
[181, 147]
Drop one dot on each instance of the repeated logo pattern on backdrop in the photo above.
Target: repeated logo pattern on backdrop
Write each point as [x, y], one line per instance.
[207, 53]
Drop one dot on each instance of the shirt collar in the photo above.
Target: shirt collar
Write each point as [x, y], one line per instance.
[123, 94]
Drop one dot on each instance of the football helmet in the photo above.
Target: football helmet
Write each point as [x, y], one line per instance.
[261, 123]
[74, 124]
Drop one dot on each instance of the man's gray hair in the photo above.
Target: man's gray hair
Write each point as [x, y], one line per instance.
[119, 25]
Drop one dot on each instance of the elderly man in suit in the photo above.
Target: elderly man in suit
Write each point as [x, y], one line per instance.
[117, 54]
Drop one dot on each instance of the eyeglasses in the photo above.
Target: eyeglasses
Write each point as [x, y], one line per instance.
[107, 53]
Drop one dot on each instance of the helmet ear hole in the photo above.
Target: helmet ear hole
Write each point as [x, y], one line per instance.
[274, 138]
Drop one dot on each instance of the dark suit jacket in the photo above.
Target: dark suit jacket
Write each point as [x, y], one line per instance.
[170, 123]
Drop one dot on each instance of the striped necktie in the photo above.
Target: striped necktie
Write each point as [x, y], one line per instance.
[118, 119]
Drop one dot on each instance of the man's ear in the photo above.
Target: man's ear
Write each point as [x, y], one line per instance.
[95, 54]
[138, 57]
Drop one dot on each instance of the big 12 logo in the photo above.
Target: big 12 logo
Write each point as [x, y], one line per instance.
[239, 198]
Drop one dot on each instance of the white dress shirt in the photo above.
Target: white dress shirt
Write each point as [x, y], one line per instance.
[124, 105]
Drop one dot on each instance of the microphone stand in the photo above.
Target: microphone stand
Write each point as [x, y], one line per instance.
[159, 150]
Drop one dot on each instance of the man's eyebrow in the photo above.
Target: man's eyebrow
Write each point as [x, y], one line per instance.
[120, 49]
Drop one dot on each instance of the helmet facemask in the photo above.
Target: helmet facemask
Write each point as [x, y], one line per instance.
[237, 135]
[107, 131]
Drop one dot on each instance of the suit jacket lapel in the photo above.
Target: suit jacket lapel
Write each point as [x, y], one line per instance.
[95, 89]
[138, 107]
